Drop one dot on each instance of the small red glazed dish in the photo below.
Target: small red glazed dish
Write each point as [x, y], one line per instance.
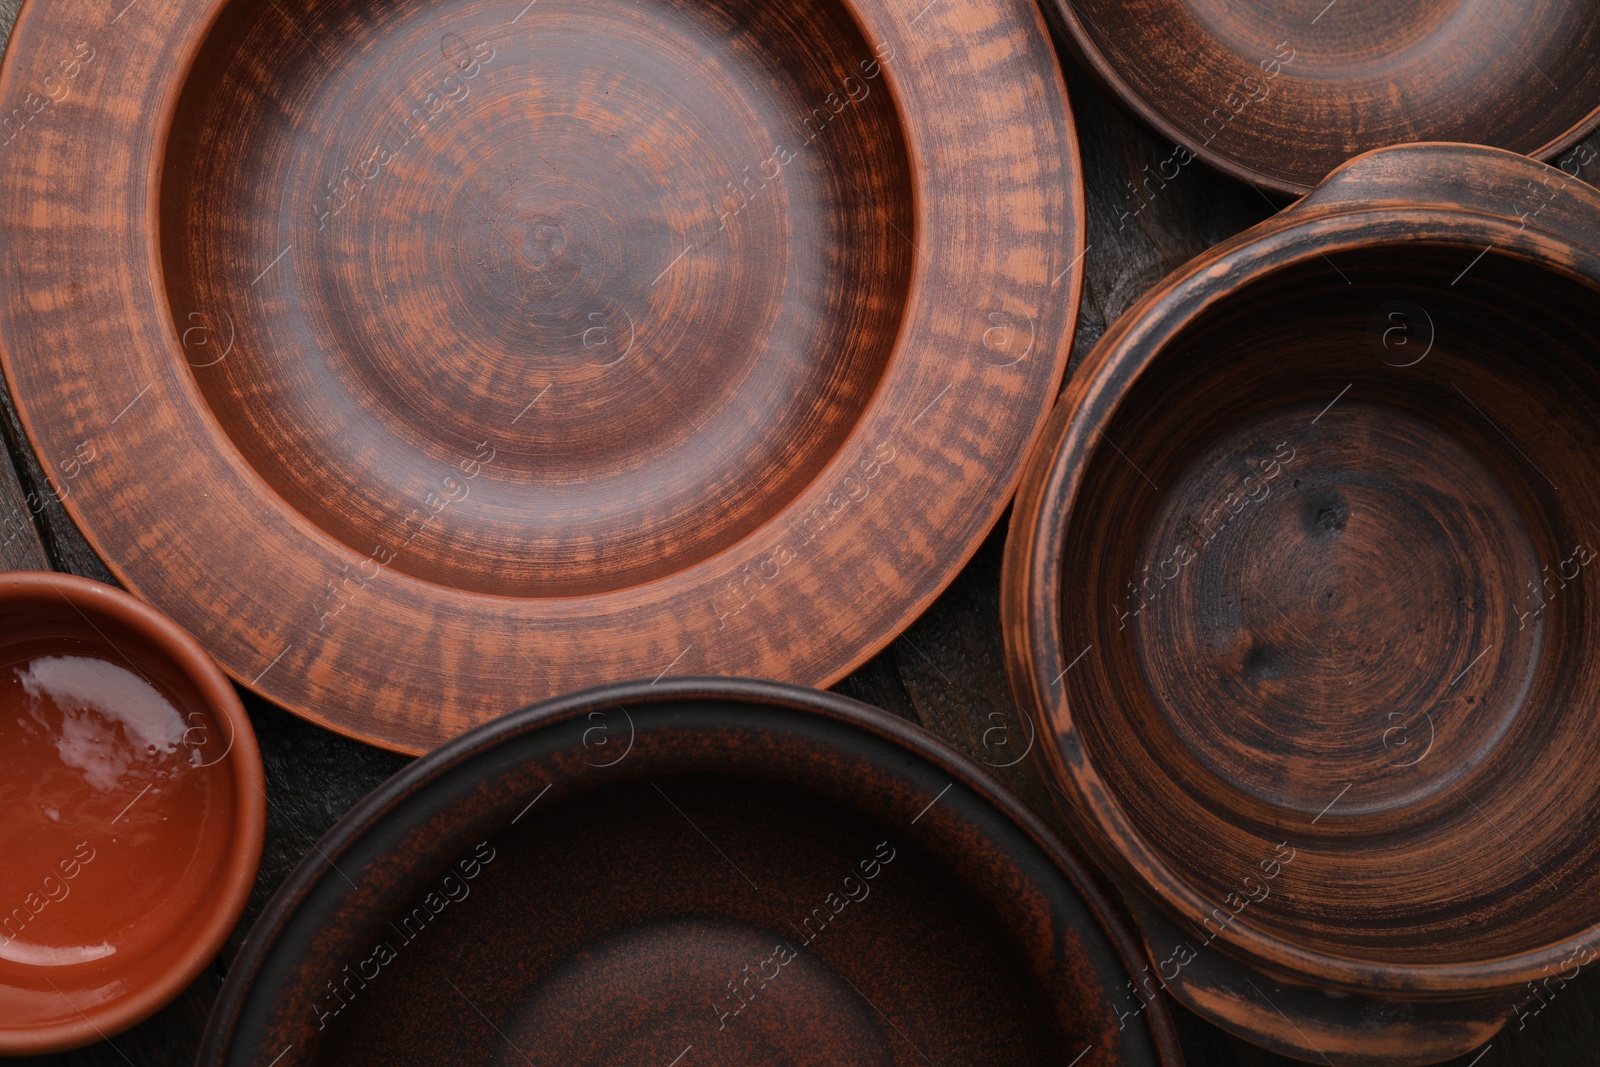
[134, 811]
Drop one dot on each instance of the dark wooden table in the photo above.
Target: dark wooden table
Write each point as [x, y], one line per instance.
[947, 672]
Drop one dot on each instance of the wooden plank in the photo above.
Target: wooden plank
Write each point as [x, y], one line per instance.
[21, 546]
[63, 547]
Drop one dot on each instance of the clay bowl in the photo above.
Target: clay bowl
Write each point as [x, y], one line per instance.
[702, 871]
[1300, 581]
[1280, 92]
[134, 811]
[615, 338]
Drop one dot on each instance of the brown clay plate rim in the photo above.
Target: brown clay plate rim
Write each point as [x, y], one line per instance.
[91, 355]
[211, 927]
[1084, 46]
[917, 744]
[1031, 583]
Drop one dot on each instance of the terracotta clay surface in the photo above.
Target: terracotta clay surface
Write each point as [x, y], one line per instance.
[947, 670]
[700, 871]
[1280, 92]
[134, 811]
[1301, 584]
[490, 349]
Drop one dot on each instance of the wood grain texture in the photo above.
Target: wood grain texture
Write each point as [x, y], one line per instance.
[683, 855]
[1280, 92]
[437, 375]
[1318, 642]
[21, 547]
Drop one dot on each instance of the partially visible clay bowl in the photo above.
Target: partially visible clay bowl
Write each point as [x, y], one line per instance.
[1280, 92]
[134, 810]
[704, 871]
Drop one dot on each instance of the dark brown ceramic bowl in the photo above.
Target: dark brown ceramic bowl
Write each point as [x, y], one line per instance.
[1280, 92]
[492, 349]
[131, 811]
[1300, 581]
[697, 872]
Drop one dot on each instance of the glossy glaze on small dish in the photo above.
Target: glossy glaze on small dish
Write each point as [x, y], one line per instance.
[134, 816]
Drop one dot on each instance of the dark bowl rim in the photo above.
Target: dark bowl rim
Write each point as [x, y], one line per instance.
[1031, 586]
[313, 868]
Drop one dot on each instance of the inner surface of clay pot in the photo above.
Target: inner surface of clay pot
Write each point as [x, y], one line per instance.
[583, 294]
[1338, 577]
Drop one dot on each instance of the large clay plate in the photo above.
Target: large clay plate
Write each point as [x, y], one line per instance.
[487, 349]
[695, 873]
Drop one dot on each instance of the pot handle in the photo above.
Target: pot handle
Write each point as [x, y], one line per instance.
[1309, 1022]
[1487, 181]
